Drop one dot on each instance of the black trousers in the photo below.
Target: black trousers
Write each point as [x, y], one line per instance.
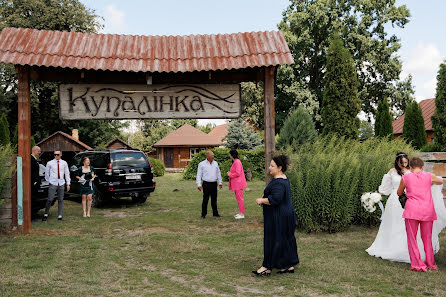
[209, 189]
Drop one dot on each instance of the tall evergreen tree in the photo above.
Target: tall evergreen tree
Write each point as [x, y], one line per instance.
[242, 136]
[4, 131]
[413, 129]
[383, 122]
[439, 117]
[297, 129]
[341, 104]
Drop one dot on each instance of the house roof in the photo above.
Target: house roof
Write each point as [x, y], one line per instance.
[143, 53]
[69, 137]
[120, 141]
[187, 135]
[427, 108]
[219, 131]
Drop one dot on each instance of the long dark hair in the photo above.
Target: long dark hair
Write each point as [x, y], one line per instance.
[234, 153]
[398, 160]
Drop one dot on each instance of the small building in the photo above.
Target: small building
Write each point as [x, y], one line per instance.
[220, 132]
[178, 147]
[118, 143]
[427, 107]
[70, 145]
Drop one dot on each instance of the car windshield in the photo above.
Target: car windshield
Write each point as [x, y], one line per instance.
[126, 159]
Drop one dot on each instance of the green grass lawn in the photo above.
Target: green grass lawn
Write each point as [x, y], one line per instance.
[164, 248]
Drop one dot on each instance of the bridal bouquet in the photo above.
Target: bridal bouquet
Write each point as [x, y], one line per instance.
[368, 201]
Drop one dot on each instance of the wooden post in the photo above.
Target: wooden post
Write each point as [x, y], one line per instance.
[270, 131]
[24, 140]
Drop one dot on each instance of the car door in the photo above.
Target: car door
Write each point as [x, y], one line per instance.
[74, 165]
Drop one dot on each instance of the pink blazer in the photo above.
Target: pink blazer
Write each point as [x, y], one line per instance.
[237, 180]
[419, 205]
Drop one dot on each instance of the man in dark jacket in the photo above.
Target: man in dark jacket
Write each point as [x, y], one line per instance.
[35, 177]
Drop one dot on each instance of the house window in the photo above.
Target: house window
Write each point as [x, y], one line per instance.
[194, 150]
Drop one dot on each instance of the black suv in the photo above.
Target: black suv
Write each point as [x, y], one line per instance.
[119, 173]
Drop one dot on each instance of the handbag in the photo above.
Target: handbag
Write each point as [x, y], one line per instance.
[403, 198]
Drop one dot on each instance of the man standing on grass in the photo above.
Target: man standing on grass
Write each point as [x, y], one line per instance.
[56, 173]
[209, 172]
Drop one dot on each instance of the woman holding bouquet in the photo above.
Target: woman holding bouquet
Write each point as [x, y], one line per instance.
[86, 175]
[391, 241]
[279, 243]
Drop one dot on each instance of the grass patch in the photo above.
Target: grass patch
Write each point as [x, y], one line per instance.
[164, 248]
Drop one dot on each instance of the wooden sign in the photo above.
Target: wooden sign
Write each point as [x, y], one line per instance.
[91, 101]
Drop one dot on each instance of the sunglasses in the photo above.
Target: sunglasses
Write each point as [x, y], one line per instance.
[57, 154]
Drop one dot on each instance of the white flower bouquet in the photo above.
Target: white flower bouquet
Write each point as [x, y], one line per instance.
[368, 200]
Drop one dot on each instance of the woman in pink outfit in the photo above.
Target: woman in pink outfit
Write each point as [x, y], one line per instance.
[237, 182]
[419, 211]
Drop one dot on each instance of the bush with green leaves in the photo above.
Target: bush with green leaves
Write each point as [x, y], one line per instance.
[5, 170]
[251, 159]
[298, 129]
[4, 131]
[329, 176]
[158, 167]
[414, 130]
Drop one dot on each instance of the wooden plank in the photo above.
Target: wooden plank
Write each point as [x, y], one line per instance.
[433, 156]
[113, 101]
[24, 140]
[269, 119]
[14, 196]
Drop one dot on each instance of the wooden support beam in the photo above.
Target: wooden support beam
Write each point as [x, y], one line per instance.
[270, 131]
[24, 140]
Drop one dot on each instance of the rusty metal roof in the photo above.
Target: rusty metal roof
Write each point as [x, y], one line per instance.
[427, 107]
[187, 135]
[143, 53]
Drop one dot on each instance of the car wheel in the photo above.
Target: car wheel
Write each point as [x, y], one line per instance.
[140, 199]
[98, 198]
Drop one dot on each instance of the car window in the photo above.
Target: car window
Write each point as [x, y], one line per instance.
[77, 160]
[125, 158]
[99, 160]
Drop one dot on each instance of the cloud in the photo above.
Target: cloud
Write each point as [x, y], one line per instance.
[423, 62]
[115, 22]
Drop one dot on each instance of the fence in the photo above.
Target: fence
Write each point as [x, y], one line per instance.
[435, 162]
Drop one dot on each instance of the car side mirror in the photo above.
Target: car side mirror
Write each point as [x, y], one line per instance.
[73, 168]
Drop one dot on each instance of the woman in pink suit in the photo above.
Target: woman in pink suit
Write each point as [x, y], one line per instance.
[419, 211]
[237, 182]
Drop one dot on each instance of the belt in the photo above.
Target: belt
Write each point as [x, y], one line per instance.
[214, 182]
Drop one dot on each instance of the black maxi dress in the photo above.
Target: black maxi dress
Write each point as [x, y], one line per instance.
[279, 242]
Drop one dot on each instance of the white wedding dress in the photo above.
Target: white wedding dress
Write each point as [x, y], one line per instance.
[391, 241]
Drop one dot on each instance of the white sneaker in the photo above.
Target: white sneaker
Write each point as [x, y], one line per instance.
[239, 216]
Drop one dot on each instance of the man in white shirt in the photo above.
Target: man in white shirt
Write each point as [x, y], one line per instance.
[209, 172]
[56, 173]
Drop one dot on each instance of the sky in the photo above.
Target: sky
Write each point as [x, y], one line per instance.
[423, 42]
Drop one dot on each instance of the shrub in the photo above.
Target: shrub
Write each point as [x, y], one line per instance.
[297, 129]
[4, 131]
[329, 176]
[254, 159]
[5, 169]
[158, 167]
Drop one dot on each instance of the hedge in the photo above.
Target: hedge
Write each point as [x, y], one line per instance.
[158, 167]
[5, 169]
[329, 176]
[255, 160]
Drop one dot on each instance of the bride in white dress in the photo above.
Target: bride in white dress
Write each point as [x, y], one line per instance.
[391, 241]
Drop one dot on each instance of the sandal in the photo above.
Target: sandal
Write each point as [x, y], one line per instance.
[262, 273]
[289, 270]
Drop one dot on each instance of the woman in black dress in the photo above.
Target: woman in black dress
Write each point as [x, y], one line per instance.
[85, 175]
[279, 243]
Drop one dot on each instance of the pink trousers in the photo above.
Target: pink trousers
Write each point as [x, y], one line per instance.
[239, 197]
[426, 236]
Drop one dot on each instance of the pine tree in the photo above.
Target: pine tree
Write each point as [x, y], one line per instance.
[413, 129]
[298, 129]
[242, 136]
[439, 117]
[4, 131]
[383, 123]
[340, 104]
